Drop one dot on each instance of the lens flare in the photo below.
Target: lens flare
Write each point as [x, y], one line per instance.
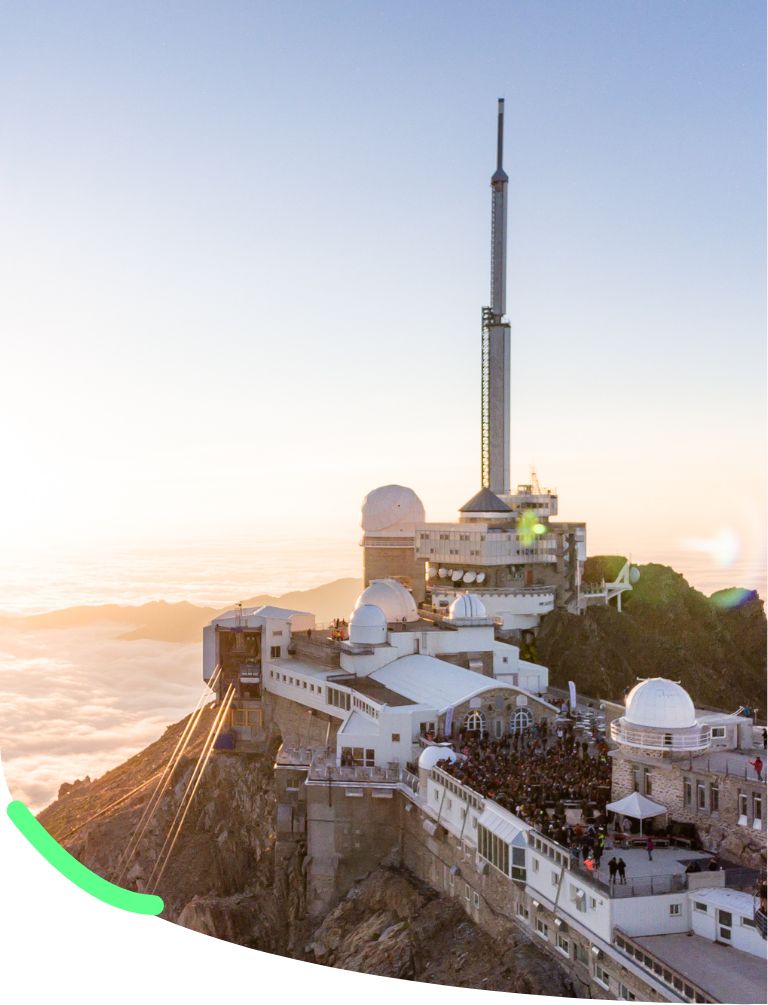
[724, 548]
[529, 527]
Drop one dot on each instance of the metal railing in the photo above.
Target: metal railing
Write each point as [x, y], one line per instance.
[692, 739]
[635, 886]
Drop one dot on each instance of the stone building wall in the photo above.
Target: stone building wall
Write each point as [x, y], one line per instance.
[498, 706]
[718, 828]
[397, 562]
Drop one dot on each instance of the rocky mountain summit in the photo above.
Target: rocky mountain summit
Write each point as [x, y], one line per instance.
[715, 646]
[224, 879]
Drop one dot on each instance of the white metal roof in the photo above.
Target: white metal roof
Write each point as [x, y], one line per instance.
[502, 824]
[283, 613]
[637, 806]
[427, 680]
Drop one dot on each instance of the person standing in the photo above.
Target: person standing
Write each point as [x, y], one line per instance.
[757, 764]
[621, 868]
[649, 846]
[613, 866]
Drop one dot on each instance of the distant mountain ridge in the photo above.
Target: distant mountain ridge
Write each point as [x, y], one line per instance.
[716, 646]
[162, 621]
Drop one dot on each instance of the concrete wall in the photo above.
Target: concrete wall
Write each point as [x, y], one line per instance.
[351, 829]
[299, 726]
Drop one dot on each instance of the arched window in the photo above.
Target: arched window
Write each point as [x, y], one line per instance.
[475, 723]
[520, 720]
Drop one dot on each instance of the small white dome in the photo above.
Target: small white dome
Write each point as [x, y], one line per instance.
[467, 605]
[661, 703]
[368, 625]
[431, 755]
[392, 511]
[396, 602]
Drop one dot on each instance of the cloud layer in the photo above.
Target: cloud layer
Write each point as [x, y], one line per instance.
[76, 703]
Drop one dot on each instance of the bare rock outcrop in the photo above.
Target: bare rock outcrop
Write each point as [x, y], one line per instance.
[395, 926]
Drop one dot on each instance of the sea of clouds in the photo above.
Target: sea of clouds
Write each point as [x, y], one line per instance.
[76, 702]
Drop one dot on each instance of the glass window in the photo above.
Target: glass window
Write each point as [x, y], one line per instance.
[701, 796]
[714, 797]
[601, 976]
[674, 909]
[757, 806]
[475, 723]
[274, 652]
[743, 807]
[688, 795]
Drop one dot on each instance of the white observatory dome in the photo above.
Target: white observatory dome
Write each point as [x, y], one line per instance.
[465, 606]
[395, 601]
[661, 703]
[392, 511]
[431, 755]
[368, 625]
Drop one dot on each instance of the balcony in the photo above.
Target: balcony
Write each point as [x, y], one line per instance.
[691, 740]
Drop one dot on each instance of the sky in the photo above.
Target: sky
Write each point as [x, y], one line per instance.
[244, 249]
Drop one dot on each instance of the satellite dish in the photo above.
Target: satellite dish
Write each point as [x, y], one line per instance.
[634, 574]
[456, 575]
[481, 577]
[469, 577]
[442, 573]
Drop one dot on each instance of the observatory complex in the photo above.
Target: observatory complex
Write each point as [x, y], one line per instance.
[421, 730]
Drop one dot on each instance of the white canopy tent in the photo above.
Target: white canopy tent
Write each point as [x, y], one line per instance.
[638, 807]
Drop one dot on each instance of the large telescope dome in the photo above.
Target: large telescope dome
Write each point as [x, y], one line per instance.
[392, 511]
[661, 703]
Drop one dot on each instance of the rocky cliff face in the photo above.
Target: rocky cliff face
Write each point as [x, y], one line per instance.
[714, 646]
[394, 925]
[224, 879]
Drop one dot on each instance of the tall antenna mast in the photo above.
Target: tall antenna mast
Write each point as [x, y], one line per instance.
[499, 183]
[495, 370]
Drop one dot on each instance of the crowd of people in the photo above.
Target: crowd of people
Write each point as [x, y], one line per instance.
[534, 775]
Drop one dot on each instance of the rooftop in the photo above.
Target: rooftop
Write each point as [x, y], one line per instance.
[290, 664]
[378, 692]
[427, 680]
[722, 971]
[730, 900]
[645, 877]
[485, 501]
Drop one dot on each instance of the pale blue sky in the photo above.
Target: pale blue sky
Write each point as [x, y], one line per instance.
[245, 246]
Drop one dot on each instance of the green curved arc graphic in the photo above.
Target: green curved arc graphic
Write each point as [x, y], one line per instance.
[80, 875]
